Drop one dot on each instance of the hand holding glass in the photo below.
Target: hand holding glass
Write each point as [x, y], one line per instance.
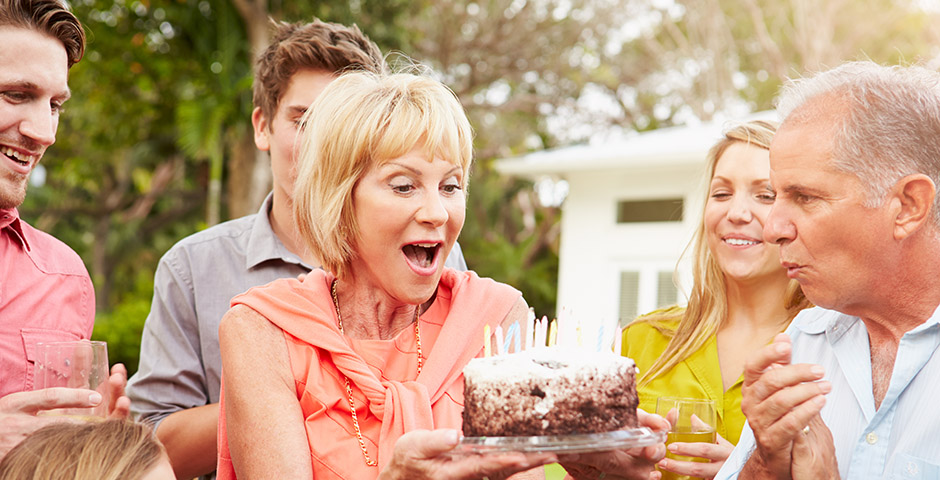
[75, 364]
[692, 420]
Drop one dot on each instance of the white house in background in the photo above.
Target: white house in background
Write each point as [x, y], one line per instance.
[631, 209]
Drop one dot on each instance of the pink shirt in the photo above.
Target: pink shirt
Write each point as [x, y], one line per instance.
[45, 295]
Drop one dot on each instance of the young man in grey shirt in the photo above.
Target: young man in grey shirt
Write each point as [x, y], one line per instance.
[177, 384]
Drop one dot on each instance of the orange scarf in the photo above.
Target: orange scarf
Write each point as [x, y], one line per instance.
[451, 330]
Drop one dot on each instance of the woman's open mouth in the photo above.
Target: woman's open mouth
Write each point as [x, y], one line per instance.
[422, 256]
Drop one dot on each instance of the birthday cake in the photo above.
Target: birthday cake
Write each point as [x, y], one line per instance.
[549, 391]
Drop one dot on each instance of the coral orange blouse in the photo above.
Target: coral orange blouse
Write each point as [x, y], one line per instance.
[389, 399]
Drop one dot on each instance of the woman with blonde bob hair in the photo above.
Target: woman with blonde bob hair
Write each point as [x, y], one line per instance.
[741, 297]
[111, 450]
[360, 363]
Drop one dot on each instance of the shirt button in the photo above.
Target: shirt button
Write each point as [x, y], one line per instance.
[912, 469]
[871, 438]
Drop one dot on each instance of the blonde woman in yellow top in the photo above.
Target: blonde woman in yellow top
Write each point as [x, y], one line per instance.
[741, 297]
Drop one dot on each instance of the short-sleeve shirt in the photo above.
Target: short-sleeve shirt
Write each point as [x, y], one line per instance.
[45, 295]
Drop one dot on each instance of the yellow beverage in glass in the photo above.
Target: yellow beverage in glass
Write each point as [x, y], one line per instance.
[686, 437]
[692, 420]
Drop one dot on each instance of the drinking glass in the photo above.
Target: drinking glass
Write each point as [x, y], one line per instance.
[692, 420]
[74, 364]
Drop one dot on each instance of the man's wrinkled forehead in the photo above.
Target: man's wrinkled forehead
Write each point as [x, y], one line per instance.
[826, 111]
[801, 154]
[817, 122]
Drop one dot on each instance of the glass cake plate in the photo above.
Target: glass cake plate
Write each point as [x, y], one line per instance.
[584, 443]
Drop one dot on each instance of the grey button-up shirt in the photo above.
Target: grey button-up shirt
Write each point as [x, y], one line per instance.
[180, 364]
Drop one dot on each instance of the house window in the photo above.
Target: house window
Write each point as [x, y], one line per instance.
[629, 296]
[666, 292]
[640, 211]
[645, 290]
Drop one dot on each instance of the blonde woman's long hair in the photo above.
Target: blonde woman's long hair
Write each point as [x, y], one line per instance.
[110, 450]
[707, 309]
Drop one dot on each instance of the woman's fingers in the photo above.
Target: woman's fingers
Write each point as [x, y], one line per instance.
[692, 469]
[630, 463]
[672, 416]
[423, 444]
[651, 420]
[712, 452]
[716, 454]
[425, 454]
[493, 466]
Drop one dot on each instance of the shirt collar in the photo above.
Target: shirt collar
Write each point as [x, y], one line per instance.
[263, 244]
[10, 218]
[931, 322]
[817, 320]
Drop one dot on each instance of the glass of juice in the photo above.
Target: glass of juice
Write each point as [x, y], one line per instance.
[692, 420]
[74, 364]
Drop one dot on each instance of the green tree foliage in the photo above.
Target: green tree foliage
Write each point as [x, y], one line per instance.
[118, 188]
[694, 59]
[156, 142]
[160, 101]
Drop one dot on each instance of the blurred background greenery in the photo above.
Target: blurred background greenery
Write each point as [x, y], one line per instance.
[156, 142]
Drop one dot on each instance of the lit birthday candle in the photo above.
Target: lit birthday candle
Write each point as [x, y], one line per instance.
[618, 339]
[542, 336]
[513, 336]
[486, 341]
[530, 329]
[499, 340]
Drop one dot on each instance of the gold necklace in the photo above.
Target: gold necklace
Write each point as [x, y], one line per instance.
[349, 394]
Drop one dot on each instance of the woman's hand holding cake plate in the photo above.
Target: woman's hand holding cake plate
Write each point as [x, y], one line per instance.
[633, 463]
[424, 454]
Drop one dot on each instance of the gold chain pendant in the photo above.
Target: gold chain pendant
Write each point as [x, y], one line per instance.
[349, 393]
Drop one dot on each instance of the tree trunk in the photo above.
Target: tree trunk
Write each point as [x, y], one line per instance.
[100, 268]
[249, 177]
[249, 172]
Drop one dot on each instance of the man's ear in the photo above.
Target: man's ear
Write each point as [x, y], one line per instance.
[914, 195]
[262, 129]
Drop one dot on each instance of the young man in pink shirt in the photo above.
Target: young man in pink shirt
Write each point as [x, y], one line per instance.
[45, 291]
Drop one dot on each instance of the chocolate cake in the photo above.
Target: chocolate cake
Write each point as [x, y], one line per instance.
[548, 391]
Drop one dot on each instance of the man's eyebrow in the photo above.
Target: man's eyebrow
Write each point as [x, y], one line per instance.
[296, 110]
[19, 85]
[32, 87]
[798, 188]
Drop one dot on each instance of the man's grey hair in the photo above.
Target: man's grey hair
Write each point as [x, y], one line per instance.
[891, 127]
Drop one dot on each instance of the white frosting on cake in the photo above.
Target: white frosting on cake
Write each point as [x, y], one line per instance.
[560, 389]
[501, 368]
